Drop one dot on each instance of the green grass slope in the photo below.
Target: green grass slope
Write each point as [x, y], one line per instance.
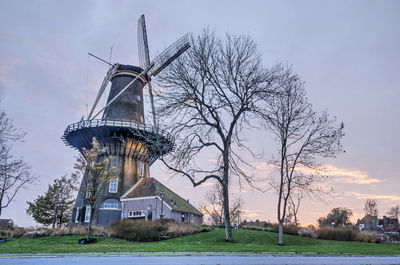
[245, 241]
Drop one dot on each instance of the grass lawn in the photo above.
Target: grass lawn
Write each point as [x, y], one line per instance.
[213, 241]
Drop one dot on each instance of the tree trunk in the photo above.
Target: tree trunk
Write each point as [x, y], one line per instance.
[88, 230]
[280, 233]
[90, 222]
[227, 218]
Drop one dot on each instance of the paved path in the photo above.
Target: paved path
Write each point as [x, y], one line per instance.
[205, 260]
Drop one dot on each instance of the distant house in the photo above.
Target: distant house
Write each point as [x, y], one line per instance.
[257, 223]
[385, 224]
[368, 222]
[6, 223]
[148, 199]
[389, 224]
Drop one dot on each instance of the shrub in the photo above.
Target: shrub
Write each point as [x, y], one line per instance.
[15, 232]
[18, 232]
[366, 236]
[306, 232]
[38, 233]
[137, 230]
[180, 229]
[60, 231]
[6, 233]
[342, 234]
[204, 228]
[81, 230]
[288, 229]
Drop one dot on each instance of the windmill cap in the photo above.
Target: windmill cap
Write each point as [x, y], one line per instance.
[131, 69]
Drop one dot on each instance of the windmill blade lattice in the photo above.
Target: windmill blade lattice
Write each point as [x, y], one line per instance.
[143, 45]
[169, 55]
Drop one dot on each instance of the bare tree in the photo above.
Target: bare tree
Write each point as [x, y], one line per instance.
[94, 165]
[14, 175]
[214, 206]
[212, 93]
[394, 212]
[294, 202]
[371, 208]
[8, 132]
[303, 136]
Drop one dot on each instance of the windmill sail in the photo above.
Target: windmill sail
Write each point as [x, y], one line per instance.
[144, 60]
[169, 55]
[143, 45]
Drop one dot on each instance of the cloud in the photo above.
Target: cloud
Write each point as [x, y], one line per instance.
[263, 166]
[341, 175]
[252, 214]
[386, 197]
[9, 66]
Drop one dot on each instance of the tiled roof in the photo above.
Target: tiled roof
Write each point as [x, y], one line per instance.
[151, 187]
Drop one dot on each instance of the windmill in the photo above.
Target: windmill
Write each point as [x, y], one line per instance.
[151, 68]
[133, 145]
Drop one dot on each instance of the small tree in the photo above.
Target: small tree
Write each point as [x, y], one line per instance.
[371, 208]
[303, 136]
[56, 204]
[213, 92]
[371, 213]
[338, 217]
[214, 207]
[294, 205]
[14, 175]
[8, 132]
[394, 212]
[94, 165]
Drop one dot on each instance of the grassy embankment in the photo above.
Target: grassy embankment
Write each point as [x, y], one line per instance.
[245, 241]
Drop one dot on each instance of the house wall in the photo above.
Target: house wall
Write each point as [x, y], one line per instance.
[154, 203]
[150, 203]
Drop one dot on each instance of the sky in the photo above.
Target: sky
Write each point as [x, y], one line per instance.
[347, 52]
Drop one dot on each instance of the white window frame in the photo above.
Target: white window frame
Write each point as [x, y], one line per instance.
[87, 192]
[77, 214]
[111, 185]
[136, 213]
[141, 169]
[87, 214]
[110, 206]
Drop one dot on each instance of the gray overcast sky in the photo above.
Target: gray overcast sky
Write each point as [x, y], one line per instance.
[347, 52]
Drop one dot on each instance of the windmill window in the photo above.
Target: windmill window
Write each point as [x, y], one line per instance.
[113, 188]
[138, 98]
[141, 169]
[88, 193]
[87, 214]
[77, 214]
[110, 205]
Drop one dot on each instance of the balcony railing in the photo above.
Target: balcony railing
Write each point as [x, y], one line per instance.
[116, 123]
